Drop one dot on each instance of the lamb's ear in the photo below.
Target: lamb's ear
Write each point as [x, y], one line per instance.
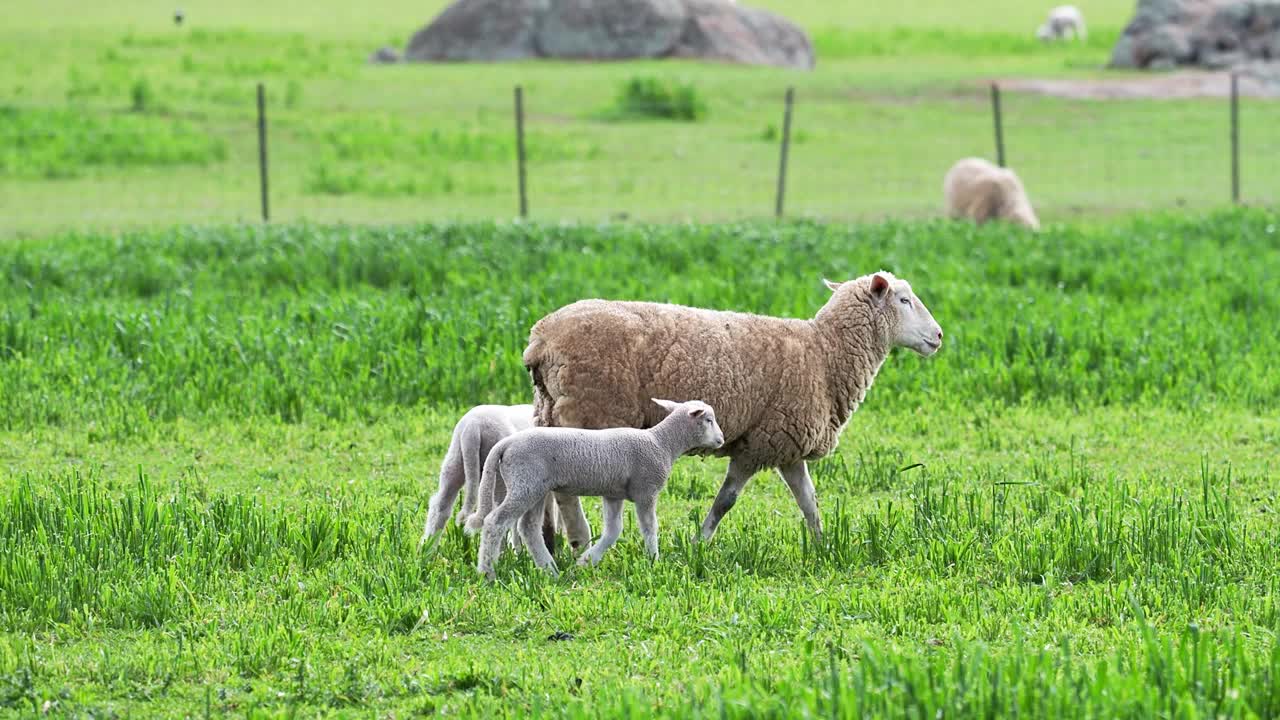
[665, 404]
[832, 286]
[697, 412]
[879, 286]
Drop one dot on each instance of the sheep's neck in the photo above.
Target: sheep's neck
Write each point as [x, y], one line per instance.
[854, 354]
[671, 438]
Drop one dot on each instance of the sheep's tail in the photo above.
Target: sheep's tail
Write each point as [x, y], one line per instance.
[488, 480]
[535, 361]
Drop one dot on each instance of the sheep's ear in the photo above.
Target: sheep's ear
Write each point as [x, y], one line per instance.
[665, 404]
[879, 286]
[832, 286]
[697, 412]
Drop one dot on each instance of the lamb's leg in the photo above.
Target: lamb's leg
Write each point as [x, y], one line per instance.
[574, 521]
[797, 478]
[531, 531]
[452, 478]
[612, 529]
[647, 520]
[498, 524]
[734, 480]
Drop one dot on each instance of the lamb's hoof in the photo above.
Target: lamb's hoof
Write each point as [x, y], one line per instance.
[586, 561]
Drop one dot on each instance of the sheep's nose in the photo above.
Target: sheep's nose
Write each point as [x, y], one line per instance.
[939, 333]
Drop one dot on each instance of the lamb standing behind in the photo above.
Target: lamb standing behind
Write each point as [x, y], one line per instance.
[1062, 20]
[782, 388]
[617, 464]
[474, 437]
[980, 191]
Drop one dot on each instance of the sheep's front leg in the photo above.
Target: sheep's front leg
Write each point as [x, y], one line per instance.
[612, 529]
[574, 521]
[734, 480]
[647, 520]
[797, 478]
[531, 531]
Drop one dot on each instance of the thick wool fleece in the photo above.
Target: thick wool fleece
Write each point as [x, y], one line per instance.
[980, 191]
[783, 389]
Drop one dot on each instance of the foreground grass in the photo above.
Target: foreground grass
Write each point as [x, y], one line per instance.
[1081, 571]
[217, 447]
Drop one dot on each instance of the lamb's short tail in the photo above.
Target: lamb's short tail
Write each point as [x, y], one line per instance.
[488, 480]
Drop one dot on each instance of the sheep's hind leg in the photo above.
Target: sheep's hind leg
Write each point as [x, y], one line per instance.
[452, 479]
[734, 480]
[647, 520]
[797, 478]
[498, 524]
[531, 531]
[612, 529]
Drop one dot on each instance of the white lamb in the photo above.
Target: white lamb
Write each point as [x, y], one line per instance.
[1062, 20]
[616, 464]
[474, 437]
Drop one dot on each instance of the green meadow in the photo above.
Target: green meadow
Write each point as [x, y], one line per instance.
[218, 444]
[218, 436]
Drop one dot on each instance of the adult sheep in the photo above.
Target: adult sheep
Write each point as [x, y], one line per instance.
[980, 191]
[782, 388]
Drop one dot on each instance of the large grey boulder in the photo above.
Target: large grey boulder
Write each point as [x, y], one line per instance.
[720, 30]
[1213, 34]
[479, 30]
[614, 30]
[611, 30]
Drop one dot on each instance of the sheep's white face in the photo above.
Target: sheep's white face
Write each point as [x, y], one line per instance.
[915, 328]
[703, 418]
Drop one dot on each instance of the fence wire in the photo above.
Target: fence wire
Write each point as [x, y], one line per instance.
[850, 157]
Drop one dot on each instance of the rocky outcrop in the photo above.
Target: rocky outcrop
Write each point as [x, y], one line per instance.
[611, 30]
[1212, 34]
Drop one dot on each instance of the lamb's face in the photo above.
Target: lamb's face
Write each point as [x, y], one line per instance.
[704, 417]
[913, 326]
[707, 432]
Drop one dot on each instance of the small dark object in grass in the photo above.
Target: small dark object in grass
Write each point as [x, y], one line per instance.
[559, 636]
[178, 16]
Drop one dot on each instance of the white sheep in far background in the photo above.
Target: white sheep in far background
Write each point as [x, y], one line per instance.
[616, 464]
[474, 437]
[981, 191]
[1063, 20]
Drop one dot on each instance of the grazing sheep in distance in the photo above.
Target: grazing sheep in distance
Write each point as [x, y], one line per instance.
[474, 437]
[616, 464]
[1062, 20]
[782, 388]
[980, 191]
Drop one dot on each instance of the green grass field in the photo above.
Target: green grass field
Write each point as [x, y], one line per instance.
[898, 95]
[218, 444]
[218, 437]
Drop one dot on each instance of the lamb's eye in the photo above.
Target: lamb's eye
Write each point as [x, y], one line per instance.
[905, 301]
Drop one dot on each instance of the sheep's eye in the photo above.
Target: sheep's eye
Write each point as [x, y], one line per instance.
[905, 300]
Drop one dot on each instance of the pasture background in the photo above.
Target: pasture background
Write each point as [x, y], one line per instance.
[217, 439]
[899, 93]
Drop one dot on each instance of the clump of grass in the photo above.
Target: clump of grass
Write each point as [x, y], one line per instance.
[141, 97]
[54, 144]
[644, 97]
